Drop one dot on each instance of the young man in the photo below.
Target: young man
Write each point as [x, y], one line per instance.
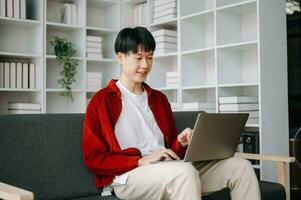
[129, 130]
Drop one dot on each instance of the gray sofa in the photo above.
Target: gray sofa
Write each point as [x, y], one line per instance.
[42, 153]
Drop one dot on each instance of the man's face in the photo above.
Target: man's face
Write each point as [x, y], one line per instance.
[136, 66]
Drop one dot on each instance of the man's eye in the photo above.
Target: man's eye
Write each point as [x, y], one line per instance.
[139, 58]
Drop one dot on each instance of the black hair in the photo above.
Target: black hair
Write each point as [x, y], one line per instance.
[129, 39]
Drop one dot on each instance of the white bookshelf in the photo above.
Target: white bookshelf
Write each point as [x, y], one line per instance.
[224, 48]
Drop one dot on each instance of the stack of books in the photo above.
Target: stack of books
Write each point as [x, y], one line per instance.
[208, 107]
[164, 10]
[241, 104]
[140, 18]
[93, 81]
[174, 106]
[94, 47]
[69, 14]
[24, 108]
[172, 80]
[166, 41]
[17, 75]
[13, 9]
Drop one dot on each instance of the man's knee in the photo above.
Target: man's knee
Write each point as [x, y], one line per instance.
[239, 165]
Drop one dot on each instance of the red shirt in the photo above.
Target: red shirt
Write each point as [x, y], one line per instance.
[102, 153]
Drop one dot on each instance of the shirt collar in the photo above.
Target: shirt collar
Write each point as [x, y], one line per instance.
[113, 88]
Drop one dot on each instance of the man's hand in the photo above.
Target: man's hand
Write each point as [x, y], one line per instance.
[158, 155]
[185, 136]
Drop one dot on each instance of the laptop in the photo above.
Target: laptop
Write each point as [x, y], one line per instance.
[215, 136]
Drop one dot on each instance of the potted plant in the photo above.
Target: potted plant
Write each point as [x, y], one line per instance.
[65, 55]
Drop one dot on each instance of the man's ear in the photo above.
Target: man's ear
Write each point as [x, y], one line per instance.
[120, 57]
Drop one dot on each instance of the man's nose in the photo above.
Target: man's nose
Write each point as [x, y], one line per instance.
[144, 63]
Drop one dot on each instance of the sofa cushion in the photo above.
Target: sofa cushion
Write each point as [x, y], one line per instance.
[42, 153]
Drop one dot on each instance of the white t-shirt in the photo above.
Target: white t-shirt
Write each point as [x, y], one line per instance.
[136, 125]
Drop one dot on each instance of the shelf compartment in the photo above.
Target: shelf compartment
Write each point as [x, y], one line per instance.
[108, 40]
[37, 61]
[129, 18]
[76, 37]
[197, 32]
[31, 96]
[54, 9]
[238, 64]
[21, 39]
[231, 3]
[109, 70]
[194, 6]
[203, 96]
[238, 91]
[59, 104]
[198, 69]
[103, 14]
[53, 70]
[162, 65]
[237, 24]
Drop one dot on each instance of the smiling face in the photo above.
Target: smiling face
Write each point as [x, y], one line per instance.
[135, 66]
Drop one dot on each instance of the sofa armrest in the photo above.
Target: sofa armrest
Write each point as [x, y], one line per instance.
[281, 166]
[8, 192]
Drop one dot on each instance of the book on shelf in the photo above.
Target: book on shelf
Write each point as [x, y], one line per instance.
[209, 106]
[94, 55]
[165, 12]
[163, 38]
[25, 73]
[172, 74]
[159, 52]
[16, 11]
[74, 14]
[165, 6]
[13, 75]
[162, 2]
[93, 50]
[69, 14]
[6, 75]
[23, 106]
[32, 77]
[2, 8]
[238, 107]
[253, 121]
[172, 82]
[9, 8]
[92, 38]
[252, 114]
[164, 18]
[94, 44]
[11, 112]
[19, 75]
[1, 75]
[23, 9]
[238, 99]
[139, 14]
[164, 32]
[166, 45]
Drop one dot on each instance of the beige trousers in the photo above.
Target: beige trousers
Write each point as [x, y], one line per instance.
[181, 180]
